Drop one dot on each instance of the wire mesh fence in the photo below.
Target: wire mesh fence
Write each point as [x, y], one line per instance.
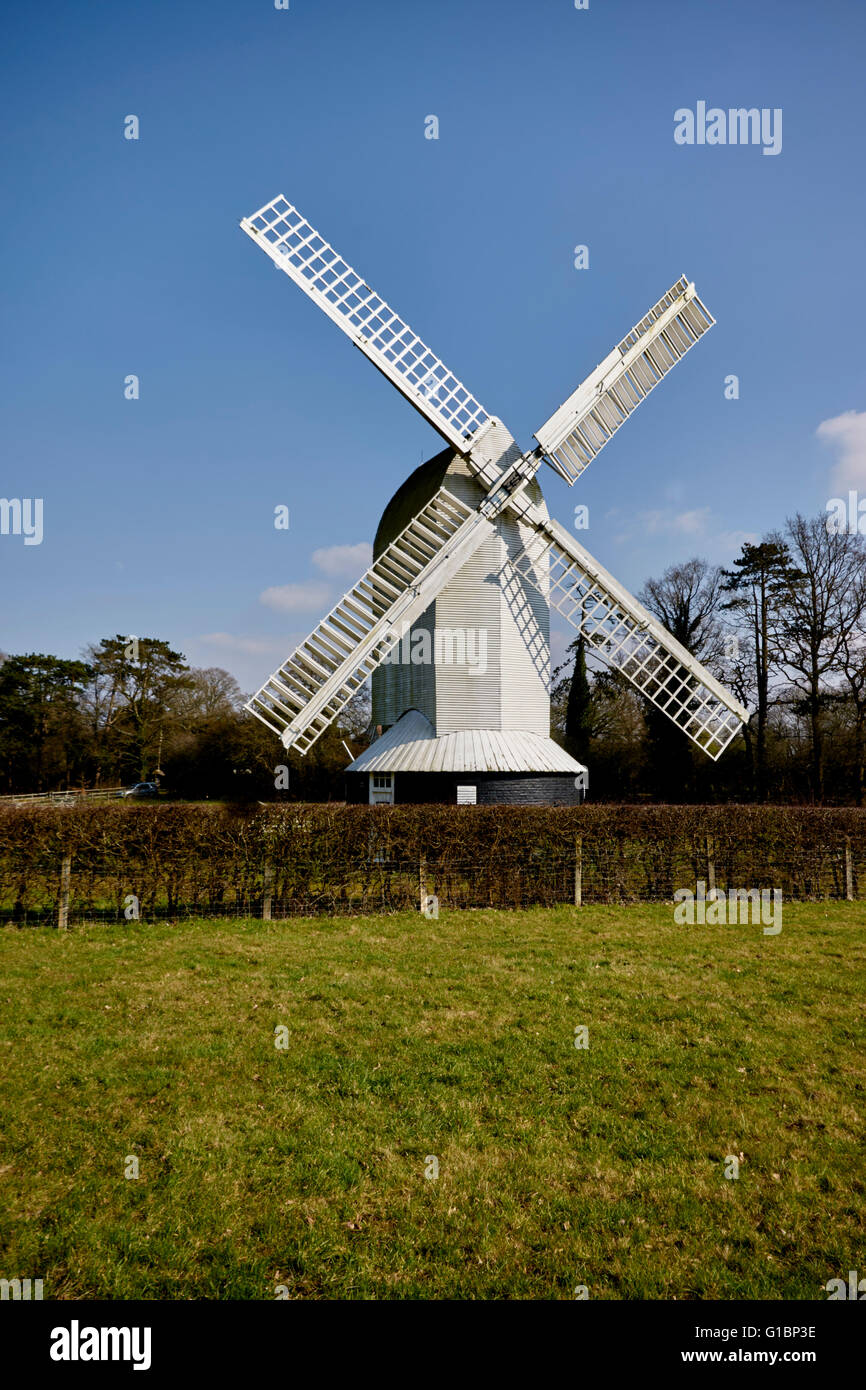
[76, 890]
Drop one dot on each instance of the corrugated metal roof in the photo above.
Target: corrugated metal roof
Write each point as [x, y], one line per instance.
[411, 745]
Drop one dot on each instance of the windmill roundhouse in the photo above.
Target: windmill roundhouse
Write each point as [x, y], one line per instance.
[467, 553]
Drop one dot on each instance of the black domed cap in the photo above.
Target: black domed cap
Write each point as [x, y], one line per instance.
[410, 498]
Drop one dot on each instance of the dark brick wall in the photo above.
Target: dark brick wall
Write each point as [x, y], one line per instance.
[503, 788]
[528, 789]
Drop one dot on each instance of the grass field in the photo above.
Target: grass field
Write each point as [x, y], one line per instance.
[305, 1166]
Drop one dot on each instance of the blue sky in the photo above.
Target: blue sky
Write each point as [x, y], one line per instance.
[556, 129]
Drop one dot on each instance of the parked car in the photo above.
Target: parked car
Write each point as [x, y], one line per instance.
[141, 789]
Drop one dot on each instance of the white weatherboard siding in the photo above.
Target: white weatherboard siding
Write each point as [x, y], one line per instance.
[485, 596]
[401, 685]
[467, 698]
[525, 703]
[412, 746]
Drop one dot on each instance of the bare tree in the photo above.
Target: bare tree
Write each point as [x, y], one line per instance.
[687, 599]
[852, 661]
[818, 612]
[210, 692]
[354, 721]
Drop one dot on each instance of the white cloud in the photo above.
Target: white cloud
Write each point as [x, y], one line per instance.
[847, 433]
[726, 544]
[693, 523]
[314, 595]
[251, 646]
[696, 528]
[344, 559]
[310, 597]
[249, 659]
[663, 522]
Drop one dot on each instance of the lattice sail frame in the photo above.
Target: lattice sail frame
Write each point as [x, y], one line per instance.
[306, 693]
[630, 639]
[422, 377]
[592, 414]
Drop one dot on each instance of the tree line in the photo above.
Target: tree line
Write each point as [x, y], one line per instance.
[784, 628]
[133, 710]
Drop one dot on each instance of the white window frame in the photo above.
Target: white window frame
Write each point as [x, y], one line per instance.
[381, 792]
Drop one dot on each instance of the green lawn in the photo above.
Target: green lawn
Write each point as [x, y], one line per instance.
[305, 1167]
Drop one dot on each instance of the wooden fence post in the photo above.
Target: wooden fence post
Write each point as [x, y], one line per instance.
[578, 871]
[422, 882]
[267, 899]
[711, 865]
[849, 871]
[63, 902]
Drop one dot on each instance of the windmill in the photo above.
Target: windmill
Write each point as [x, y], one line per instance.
[466, 546]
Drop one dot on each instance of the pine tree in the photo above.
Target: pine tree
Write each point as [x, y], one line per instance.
[762, 576]
[578, 714]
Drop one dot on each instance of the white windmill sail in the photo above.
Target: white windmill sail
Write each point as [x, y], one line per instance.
[298, 249]
[308, 691]
[630, 639]
[583, 424]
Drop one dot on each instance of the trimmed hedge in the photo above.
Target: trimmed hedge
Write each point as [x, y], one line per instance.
[333, 858]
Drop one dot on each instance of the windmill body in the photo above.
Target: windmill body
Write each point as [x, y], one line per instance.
[461, 703]
[451, 620]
